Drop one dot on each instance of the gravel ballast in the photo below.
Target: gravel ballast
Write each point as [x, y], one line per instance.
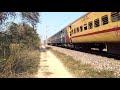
[97, 62]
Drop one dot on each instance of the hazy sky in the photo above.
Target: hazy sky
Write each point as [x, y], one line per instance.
[54, 21]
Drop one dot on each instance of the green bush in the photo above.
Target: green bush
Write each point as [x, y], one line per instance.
[16, 45]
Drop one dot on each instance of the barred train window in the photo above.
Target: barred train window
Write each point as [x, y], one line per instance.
[85, 26]
[96, 23]
[104, 19]
[70, 27]
[115, 16]
[74, 31]
[90, 25]
[70, 33]
[77, 29]
[81, 28]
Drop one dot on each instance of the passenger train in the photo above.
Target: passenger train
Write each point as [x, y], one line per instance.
[99, 30]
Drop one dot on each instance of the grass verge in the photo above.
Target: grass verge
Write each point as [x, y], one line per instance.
[80, 70]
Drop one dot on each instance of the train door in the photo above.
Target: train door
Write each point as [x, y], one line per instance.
[68, 34]
[62, 36]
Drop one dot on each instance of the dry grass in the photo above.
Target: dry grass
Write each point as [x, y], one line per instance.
[22, 63]
[80, 70]
[28, 66]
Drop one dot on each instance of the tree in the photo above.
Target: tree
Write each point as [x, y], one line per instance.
[30, 17]
[22, 33]
[15, 38]
[29, 36]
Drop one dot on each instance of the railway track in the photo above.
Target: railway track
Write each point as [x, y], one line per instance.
[98, 60]
[97, 52]
[102, 53]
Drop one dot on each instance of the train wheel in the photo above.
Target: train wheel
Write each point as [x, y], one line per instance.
[87, 48]
[101, 49]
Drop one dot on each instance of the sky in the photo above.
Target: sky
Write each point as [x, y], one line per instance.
[52, 22]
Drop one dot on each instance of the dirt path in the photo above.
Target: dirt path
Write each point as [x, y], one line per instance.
[51, 67]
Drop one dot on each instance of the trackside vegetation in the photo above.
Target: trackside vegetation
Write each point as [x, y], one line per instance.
[80, 70]
[19, 51]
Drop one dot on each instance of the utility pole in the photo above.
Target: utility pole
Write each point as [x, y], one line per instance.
[46, 34]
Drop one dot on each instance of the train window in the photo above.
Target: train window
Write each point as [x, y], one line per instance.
[81, 28]
[62, 32]
[115, 16]
[104, 19]
[90, 25]
[96, 23]
[74, 31]
[70, 27]
[71, 31]
[77, 29]
[85, 26]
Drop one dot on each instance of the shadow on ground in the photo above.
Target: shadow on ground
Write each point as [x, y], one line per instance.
[47, 73]
[48, 48]
[43, 49]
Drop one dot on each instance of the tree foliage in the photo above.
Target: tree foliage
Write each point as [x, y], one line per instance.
[13, 42]
[15, 39]
[30, 17]
[23, 33]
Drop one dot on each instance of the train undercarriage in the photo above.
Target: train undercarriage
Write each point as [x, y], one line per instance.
[113, 48]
